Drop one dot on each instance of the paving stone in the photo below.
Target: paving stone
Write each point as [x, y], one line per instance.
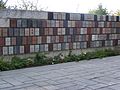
[62, 72]
[104, 82]
[97, 86]
[41, 83]
[5, 85]
[65, 80]
[17, 87]
[106, 88]
[115, 76]
[81, 84]
[86, 89]
[76, 87]
[12, 81]
[23, 78]
[2, 82]
[39, 77]
[86, 75]
[31, 88]
[93, 76]
[51, 87]
[52, 82]
[65, 85]
[115, 87]
[34, 81]
[34, 88]
[30, 74]
[58, 78]
[69, 88]
[21, 89]
[72, 76]
[86, 81]
[52, 75]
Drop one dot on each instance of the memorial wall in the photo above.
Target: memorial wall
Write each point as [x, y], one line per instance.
[24, 32]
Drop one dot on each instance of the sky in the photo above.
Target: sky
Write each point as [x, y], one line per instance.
[76, 6]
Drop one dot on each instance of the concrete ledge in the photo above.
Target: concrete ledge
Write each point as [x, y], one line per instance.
[23, 14]
[55, 53]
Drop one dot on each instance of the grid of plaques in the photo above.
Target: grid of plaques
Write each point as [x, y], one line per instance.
[61, 31]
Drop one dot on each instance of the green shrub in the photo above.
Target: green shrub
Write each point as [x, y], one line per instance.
[57, 59]
[29, 62]
[49, 61]
[100, 53]
[4, 65]
[88, 56]
[72, 58]
[40, 59]
[82, 56]
[110, 52]
[17, 62]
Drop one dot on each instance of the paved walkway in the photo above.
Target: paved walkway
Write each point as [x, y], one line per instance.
[97, 74]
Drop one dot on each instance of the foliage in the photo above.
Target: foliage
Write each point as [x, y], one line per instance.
[42, 59]
[28, 5]
[117, 13]
[99, 11]
[71, 57]
[57, 59]
[4, 65]
[18, 63]
[3, 4]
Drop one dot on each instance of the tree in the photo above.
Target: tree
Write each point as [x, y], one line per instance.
[117, 13]
[3, 4]
[27, 5]
[99, 11]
